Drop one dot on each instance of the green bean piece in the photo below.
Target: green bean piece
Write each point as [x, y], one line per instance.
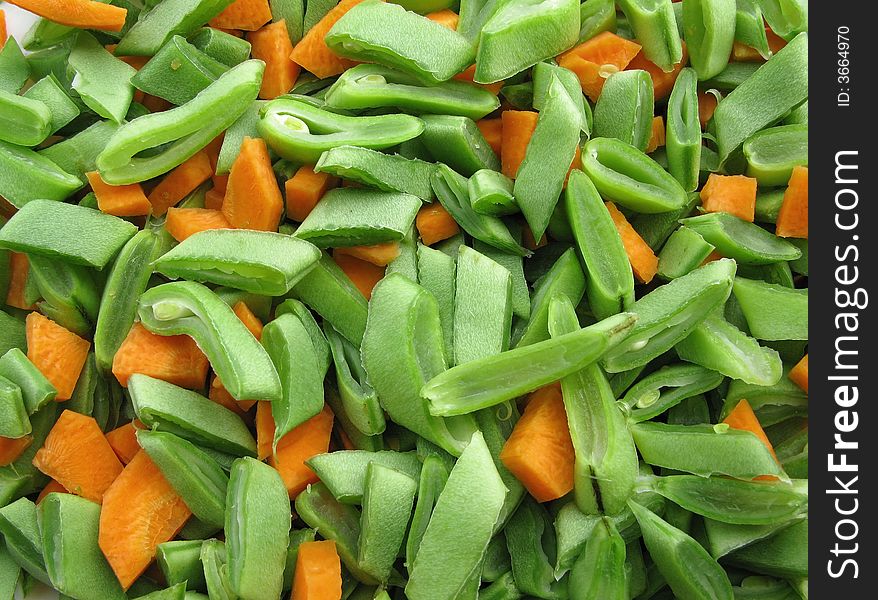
[655, 229]
[74, 562]
[725, 538]
[773, 153]
[13, 416]
[482, 307]
[610, 284]
[773, 312]
[709, 29]
[297, 538]
[721, 450]
[552, 147]
[359, 399]
[502, 589]
[298, 131]
[635, 569]
[489, 381]
[178, 72]
[166, 19]
[625, 108]
[36, 390]
[605, 464]
[387, 506]
[689, 570]
[12, 330]
[261, 262]
[180, 131]
[497, 562]
[666, 388]
[760, 587]
[26, 175]
[798, 116]
[683, 136]
[101, 80]
[180, 562]
[519, 95]
[458, 142]
[787, 18]
[77, 154]
[70, 295]
[21, 532]
[343, 472]
[684, 252]
[784, 554]
[14, 68]
[496, 424]
[48, 91]
[215, 570]
[337, 522]
[654, 25]
[402, 349]
[768, 203]
[331, 294]
[528, 533]
[669, 313]
[515, 265]
[185, 307]
[490, 193]
[436, 274]
[406, 263]
[24, 121]
[599, 572]
[257, 527]
[166, 407]
[224, 47]
[451, 190]
[460, 528]
[301, 312]
[386, 172]
[750, 27]
[717, 344]
[771, 404]
[376, 86]
[745, 110]
[431, 482]
[542, 78]
[622, 173]
[746, 242]
[596, 16]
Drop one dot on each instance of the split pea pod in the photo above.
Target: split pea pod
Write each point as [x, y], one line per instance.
[735, 238]
[683, 135]
[665, 388]
[599, 572]
[357, 395]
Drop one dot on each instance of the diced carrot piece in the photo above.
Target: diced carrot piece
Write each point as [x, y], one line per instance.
[251, 321]
[662, 82]
[59, 354]
[380, 255]
[527, 238]
[596, 59]
[51, 487]
[213, 198]
[78, 456]
[219, 394]
[733, 194]
[706, 105]
[363, 274]
[318, 572]
[82, 14]
[123, 441]
[119, 200]
[657, 136]
[11, 448]
[183, 222]
[742, 417]
[539, 452]
[799, 373]
[272, 45]
[253, 200]
[19, 271]
[248, 15]
[445, 17]
[492, 130]
[314, 55]
[3, 34]
[517, 127]
[264, 430]
[435, 224]
[180, 182]
[307, 440]
[172, 358]
[714, 255]
[792, 219]
[468, 75]
[140, 511]
[643, 260]
[304, 190]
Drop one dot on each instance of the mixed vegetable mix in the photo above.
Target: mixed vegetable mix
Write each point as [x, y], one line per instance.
[425, 299]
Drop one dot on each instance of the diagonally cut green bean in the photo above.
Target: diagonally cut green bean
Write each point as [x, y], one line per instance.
[318, 340]
[70, 294]
[746, 242]
[600, 570]
[666, 388]
[773, 312]
[359, 399]
[625, 108]
[344, 472]
[387, 172]
[709, 29]
[655, 27]
[527, 534]
[436, 274]
[683, 131]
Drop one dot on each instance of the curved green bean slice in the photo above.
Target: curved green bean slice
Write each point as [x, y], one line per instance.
[386, 172]
[459, 143]
[36, 390]
[750, 27]
[622, 173]
[527, 534]
[683, 136]
[610, 283]
[709, 29]
[599, 572]
[785, 554]
[786, 18]
[503, 588]
[488, 381]
[490, 193]
[735, 238]
[70, 294]
[771, 403]
[190, 308]
[596, 16]
[197, 477]
[359, 399]
[773, 312]
[725, 538]
[318, 340]
[655, 27]
[344, 471]
[773, 153]
[23, 121]
[667, 387]
[186, 129]
[21, 533]
[669, 313]
[215, 570]
[734, 501]
[431, 482]
[542, 79]
[688, 568]
[301, 132]
[684, 252]
[402, 349]
[376, 86]
[625, 108]
[261, 262]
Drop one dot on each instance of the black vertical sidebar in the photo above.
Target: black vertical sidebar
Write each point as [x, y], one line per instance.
[843, 439]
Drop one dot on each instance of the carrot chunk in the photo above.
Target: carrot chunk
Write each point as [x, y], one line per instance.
[380, 255]
[742, 417]
[643, 260]
[596, 59]
[792, 219]
[58, 353]
[657, 136]
[253, 200]
[264, 430]
[304, 190]
[492, 130]
[123, 441]
[78, 456]
[19, 271]
[435, 224]
[318, 572]
[733, 194]
[314, 55]
[250, 321]
[363, 274]
[140, 511]
[82, 14]
[307, 440]
[539, 451]
[119, 200]
[662, 82]
[219, 394]
[180, 182]
[517, 127]
[172, 358]
[183, 222]
[799, 373]
[706, 105]
[272, 45]
[11, 448]
[3, 34]
[248, 15]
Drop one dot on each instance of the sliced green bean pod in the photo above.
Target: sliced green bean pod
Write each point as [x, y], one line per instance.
[21, 533]
[431, 482]
[226, 48]
[215, 570]
[565, 278]
[190, 308]
[48, 91]
[665, 388]
[773, 312]
[773, 153]
[26, 175]
[102, 81]
[70, 294]
[458, 142]
[542, 79]
[496, 424]
[784, 554]
[359, 440]
[596, 16]
[683, 135]
[14, 67]
[359, 399]
[497, 561]
[772, 403]
[750, 27]
[180, 561]
[490, 193]
[655, 27]
[178, 71]
[406, 263]
[503, 588]
[725, 538]
[709, 29]
[77, 154]
[344, 472]
[243, 126]
[318, 340]
[297, 538]
[655, 229]
[13, 416]
[23, 121]
[746, 242]
[36, 390]
[527, 534]
[155, 27]
[386, 172]
[599, 572]
[515, 265]
[787, 18]
[684, 252]
[625, 108]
